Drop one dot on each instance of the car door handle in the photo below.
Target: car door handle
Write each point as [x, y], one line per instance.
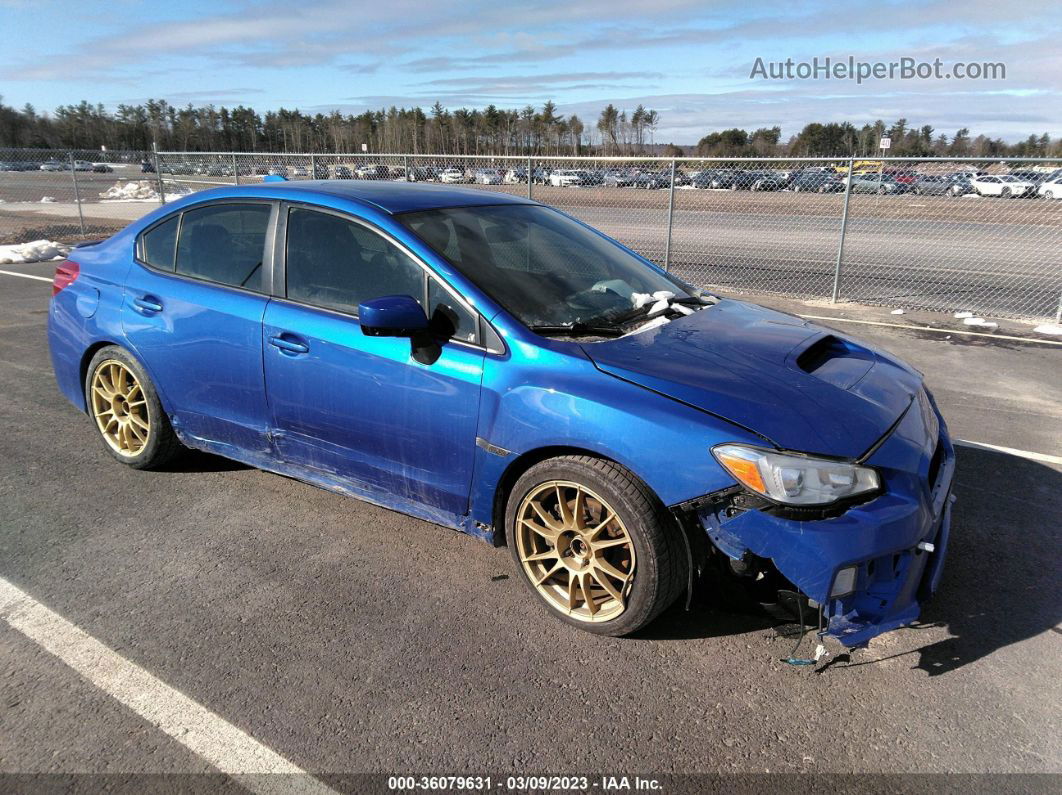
[147, 304]
[289, 346]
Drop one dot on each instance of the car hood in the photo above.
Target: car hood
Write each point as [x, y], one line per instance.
[800, 386]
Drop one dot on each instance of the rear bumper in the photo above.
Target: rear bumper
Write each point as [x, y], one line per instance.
[874, 566]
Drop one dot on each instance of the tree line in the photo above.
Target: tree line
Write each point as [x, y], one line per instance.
[491, 130]
[846, 140]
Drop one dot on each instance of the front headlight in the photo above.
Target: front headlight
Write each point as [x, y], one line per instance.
[795, 479]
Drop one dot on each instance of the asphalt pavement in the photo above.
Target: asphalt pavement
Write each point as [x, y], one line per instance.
[345, 638]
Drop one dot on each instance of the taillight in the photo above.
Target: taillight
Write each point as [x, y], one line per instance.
[66, 273]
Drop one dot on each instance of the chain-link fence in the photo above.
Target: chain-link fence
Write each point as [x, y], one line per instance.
[938, 234]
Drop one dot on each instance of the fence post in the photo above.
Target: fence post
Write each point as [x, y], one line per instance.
[158, 176]
[530, 176]
[313, 166]
[1058, 314]
[405, 167]
[670, 217]
[235, 171]
[77, 195]
[844, 229]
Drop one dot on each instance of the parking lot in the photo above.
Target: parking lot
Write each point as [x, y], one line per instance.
[343, 638]
[994, 256]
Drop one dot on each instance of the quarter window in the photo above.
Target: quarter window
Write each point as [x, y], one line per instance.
[225, 243]
[460, 323]
[158, 245]
[335, 263]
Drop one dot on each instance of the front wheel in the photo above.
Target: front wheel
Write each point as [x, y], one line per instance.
[126, 411]
[594, 545]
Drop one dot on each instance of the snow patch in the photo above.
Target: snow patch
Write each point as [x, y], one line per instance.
[47, 199]
[37, 251]
[141, 190]
[961, 315]
[896, 312]
[980, 322]
[1049, 328]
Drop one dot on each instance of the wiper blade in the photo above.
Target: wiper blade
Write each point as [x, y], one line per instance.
[577, 329]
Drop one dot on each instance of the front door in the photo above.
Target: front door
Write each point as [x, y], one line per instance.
[357, 407]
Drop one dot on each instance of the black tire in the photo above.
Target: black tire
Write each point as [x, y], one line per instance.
[661, 571]
[1006, 194]
[162, 444]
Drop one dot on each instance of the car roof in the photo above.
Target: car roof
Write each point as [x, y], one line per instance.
[386, 195]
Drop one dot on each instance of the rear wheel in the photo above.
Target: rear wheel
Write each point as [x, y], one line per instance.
[1006, 194]
[594, 545]
[126, 411]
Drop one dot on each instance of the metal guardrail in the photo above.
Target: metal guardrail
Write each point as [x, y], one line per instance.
[902, 232]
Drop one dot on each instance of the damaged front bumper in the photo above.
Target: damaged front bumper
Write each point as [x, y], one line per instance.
[873, 566]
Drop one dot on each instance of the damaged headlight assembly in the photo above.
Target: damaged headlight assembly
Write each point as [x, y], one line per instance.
[792, 479]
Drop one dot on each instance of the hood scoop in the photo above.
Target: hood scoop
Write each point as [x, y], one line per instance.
[835, 361]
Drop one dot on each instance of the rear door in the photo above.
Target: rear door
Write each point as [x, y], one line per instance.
[193, 309]
[360, 408]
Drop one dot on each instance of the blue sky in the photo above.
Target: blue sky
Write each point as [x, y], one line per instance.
[688, 60]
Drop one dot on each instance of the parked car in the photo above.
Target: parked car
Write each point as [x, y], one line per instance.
[54, 165]
[451, 175]
[874, 183]
[102, 168]
[959, 184]
[372, 171]
[817, 181]
[1005, 186]
[620, 177]
[930, 185]
[782, 452]
[567, 177]
[653, 180]
[1037, 178]
[1052, 189]
[901, 176]
[488, 176]
[756, 181]
[343, 172]
[709, 178]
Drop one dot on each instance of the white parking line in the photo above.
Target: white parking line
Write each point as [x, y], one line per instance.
[930, 328]
[1042, 457]
[229, 749]
[26, 276]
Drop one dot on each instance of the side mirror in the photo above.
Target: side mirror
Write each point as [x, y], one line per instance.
[392, 316]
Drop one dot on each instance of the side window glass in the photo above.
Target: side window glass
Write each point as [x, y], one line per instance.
[158, 246]
[460, 323]
[224, 243]
[336, 264]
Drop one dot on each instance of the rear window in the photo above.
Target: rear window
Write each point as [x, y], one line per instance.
[158, 245]
[225, 243]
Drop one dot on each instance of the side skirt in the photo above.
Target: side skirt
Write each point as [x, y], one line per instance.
[330, 481]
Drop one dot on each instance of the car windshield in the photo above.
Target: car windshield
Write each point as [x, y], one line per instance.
[543, 267]
[1008, 178]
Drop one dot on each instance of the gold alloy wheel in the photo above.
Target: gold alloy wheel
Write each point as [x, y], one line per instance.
[575, 550]
[120, 408]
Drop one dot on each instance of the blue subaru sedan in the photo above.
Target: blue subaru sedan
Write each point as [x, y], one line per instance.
[492, 365]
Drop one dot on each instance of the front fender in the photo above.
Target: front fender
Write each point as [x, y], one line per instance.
[567, 403]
